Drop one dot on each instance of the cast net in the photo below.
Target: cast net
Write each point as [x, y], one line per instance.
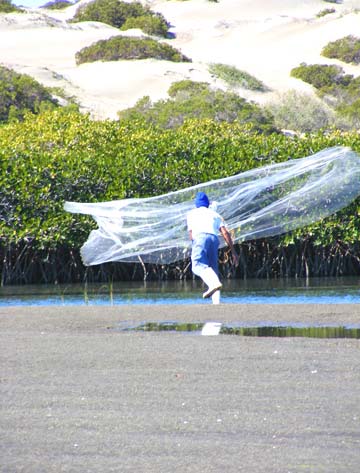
[262, 202]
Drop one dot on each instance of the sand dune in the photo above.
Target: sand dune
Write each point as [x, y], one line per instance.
[265, 38]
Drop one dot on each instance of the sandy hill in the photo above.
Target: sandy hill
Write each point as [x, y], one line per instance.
[266, 38]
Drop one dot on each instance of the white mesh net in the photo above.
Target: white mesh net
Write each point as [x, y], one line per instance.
[259, 203]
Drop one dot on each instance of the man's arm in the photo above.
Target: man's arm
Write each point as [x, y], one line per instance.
[227, 237]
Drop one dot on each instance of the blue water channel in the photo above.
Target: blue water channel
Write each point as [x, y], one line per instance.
[289, 291]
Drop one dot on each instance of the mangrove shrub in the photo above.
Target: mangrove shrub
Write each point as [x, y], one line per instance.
[63, 155]
[20, 93]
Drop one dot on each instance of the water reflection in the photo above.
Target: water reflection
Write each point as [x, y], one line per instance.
[280, 291]
[269, 330]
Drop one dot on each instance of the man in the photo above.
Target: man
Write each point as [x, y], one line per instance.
[204, 225]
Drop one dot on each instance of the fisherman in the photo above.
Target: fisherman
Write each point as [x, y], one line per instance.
[204, 225]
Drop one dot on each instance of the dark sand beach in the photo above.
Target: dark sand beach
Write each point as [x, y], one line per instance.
[78, 395]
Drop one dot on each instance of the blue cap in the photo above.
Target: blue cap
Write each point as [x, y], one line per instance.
[201, 200]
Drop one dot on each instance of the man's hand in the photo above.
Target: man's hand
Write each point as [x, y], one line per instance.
[229, 242]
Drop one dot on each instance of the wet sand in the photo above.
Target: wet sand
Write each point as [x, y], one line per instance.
[79, 396]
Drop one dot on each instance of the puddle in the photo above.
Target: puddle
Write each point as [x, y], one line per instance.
[246, 330]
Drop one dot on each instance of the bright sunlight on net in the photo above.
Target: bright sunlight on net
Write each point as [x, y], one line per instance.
[259, 203]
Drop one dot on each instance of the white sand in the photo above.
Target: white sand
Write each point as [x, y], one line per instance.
[266, 38]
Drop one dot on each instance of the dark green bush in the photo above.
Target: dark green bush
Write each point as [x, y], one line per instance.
[320, 75]
[345, 49]
[342, 93]
[6, 6]
[329, 80]
[124, 47]
[197, 100]
[326, 11]
[121, 14]
[57, 5]
[187, 88]
[20, 93]
[152, 25]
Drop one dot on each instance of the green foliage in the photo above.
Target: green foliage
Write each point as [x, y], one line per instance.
[124, 15]
[62, 155]
[300, 112]
[196, 100]
[235, 77]
[344, 93]
[326, 11]
[57, 5]
[351, 112]
[152, 25]
[345, 49]
[20, 93]
[69, 100]
[340, 90]
[6, 6]
[123, 47]
[319, 75]
[187, 88]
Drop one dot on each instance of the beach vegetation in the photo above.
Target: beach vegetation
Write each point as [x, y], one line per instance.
[57, 5]
[187, 87]
[350, 112]
[320, 75]
[61, 93]
[20, 93]
[6, 6]
[301, 112]
[326, 11]
[127, 47]
[123, 15]
[190, 99]
[339, 90]
[63, 155]
[235, 77]
[345, 49]
[153, 25]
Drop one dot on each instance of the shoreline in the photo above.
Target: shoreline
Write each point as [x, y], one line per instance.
[78, 396]
[99, 317]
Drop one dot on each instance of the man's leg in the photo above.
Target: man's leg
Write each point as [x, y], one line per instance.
[204, 258]
[216, 297]
[213, 263]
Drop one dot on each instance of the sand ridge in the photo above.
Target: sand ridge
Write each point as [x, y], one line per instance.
[266, 39]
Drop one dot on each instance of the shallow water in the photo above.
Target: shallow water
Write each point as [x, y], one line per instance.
[246, 330]
[281, 291]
